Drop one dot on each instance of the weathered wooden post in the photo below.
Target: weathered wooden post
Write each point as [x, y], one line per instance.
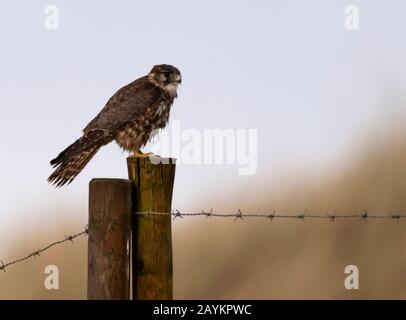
[151, 234]
[109, 239]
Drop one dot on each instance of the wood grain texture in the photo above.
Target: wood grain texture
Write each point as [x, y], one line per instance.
[151, 235]
[109, 239]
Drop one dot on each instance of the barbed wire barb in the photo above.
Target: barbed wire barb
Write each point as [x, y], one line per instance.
[331, 217]
[302, 216]
[238, 215]
[272, 215]
[396, 216]
[69, 238]
[365, 215]
[177, 214]
[2, 267]
[208, 214]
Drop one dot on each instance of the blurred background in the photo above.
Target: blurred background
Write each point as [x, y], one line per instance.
[327, 102]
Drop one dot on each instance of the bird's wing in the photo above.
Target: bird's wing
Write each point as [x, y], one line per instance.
[125, 106]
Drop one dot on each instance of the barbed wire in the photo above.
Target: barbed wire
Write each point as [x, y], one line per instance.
[238, 215]
[36, 253]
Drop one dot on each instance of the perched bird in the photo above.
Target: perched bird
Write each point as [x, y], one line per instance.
[129, 118]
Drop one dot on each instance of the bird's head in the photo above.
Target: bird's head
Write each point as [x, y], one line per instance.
[166, 77]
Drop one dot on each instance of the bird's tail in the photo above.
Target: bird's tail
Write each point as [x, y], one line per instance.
[70, 162]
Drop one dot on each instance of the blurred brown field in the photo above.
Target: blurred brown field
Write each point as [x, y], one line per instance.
[260, 259]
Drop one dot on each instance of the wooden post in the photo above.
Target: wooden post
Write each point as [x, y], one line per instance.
[109, 239]
[151, 235]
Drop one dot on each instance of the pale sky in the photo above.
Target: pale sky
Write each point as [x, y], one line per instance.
[286, 68]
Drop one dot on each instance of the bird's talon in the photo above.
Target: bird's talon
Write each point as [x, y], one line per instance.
[139, 154]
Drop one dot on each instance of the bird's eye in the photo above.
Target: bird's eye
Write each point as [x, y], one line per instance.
[167, 74]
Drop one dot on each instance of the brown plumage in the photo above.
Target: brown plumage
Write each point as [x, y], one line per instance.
[129, 117]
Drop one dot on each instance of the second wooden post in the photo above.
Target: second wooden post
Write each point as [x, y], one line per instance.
[109, 239]
[152, 266]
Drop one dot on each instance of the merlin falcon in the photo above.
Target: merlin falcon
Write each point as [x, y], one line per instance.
[130, 117]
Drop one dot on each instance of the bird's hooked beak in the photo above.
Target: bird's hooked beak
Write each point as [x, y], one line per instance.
[178, 78]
